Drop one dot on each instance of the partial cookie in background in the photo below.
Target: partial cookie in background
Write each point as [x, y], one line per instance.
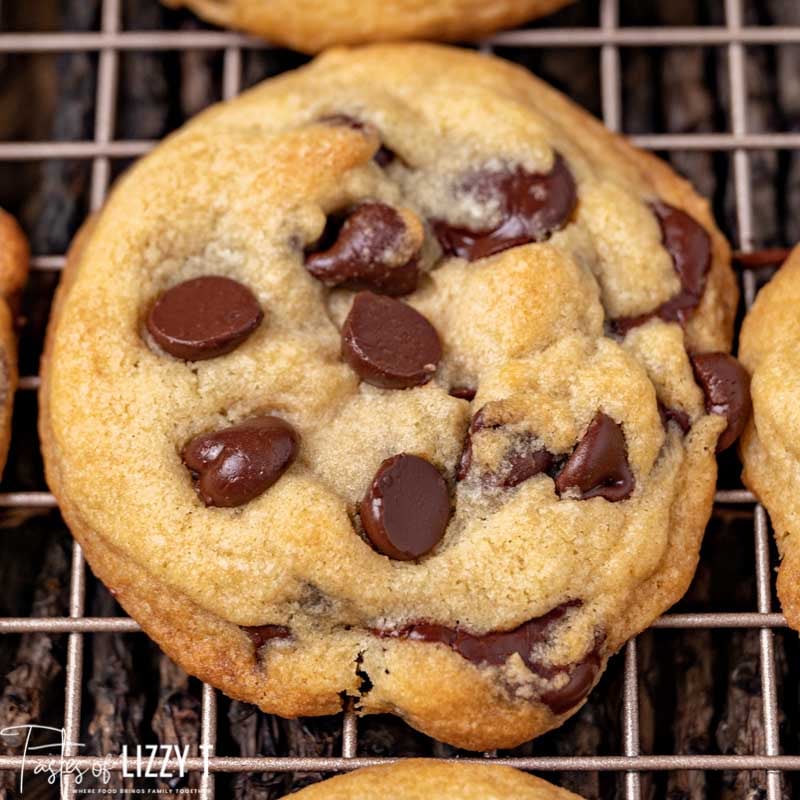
[313, 25]
[14, 258]
[423, 779]
[398, 377]
[769, 347]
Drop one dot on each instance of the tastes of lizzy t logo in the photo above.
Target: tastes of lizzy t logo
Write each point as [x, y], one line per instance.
[58, 768]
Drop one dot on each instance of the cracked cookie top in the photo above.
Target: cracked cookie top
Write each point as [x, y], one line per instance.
[402, 343]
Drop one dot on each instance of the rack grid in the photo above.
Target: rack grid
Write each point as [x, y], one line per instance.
[609, 37]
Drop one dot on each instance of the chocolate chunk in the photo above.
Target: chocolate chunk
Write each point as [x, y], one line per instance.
[523, 461]
[232, 466]
[407, 507]
[261, 634]
[681, 418]
[689, 245]
[204, 317]
[388, 343]
[598, 466]
[726, 386]
[497, 647]
[463, 392]
[366, 253]
[532, 206]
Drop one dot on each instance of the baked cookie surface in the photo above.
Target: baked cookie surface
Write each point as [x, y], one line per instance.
[14, 258]
[374, 382]
[313, 25]
[769, 347]
[421, 779]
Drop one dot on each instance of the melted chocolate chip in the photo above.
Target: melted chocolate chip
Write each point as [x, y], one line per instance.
[525, 460]
[489, 648]
[726, 386]
[689, 245]
[463, 392]
[261, 634]
[388, 343]
[524, 463]
[204, 317]
[582, 676]
[232, 466]
[406, 509]
[497, 647]
[598, 466]
[533, 205]
[681, 418]
[364, 254]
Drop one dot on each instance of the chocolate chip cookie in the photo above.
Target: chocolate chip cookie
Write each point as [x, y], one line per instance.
[313, 25]
[770, 447]
[422, 779]
[14, 257]
[398, 378]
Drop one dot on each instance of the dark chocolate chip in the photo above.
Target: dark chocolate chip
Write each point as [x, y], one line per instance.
[726, 386]
[533, 206]
[232, 466]
[463, 392]
[598, 466]
[477, 423]
[388, 343]
[582, 676]
[407, 507]
[365, 253]
[204, 317]
[489, 648]
[689, 245]
[681, 418]
[497, 647]
[261, 634]
[523, 461]
[383, 156]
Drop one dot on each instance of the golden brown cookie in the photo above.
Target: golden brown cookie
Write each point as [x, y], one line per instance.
[313, 25]
[376, 382]
[422, 779]
[770, 448]
[14, 257]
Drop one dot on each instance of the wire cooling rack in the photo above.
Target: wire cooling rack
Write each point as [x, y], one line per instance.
[609, 37]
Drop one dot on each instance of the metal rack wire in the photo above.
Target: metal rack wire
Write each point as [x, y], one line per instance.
[109, 41]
